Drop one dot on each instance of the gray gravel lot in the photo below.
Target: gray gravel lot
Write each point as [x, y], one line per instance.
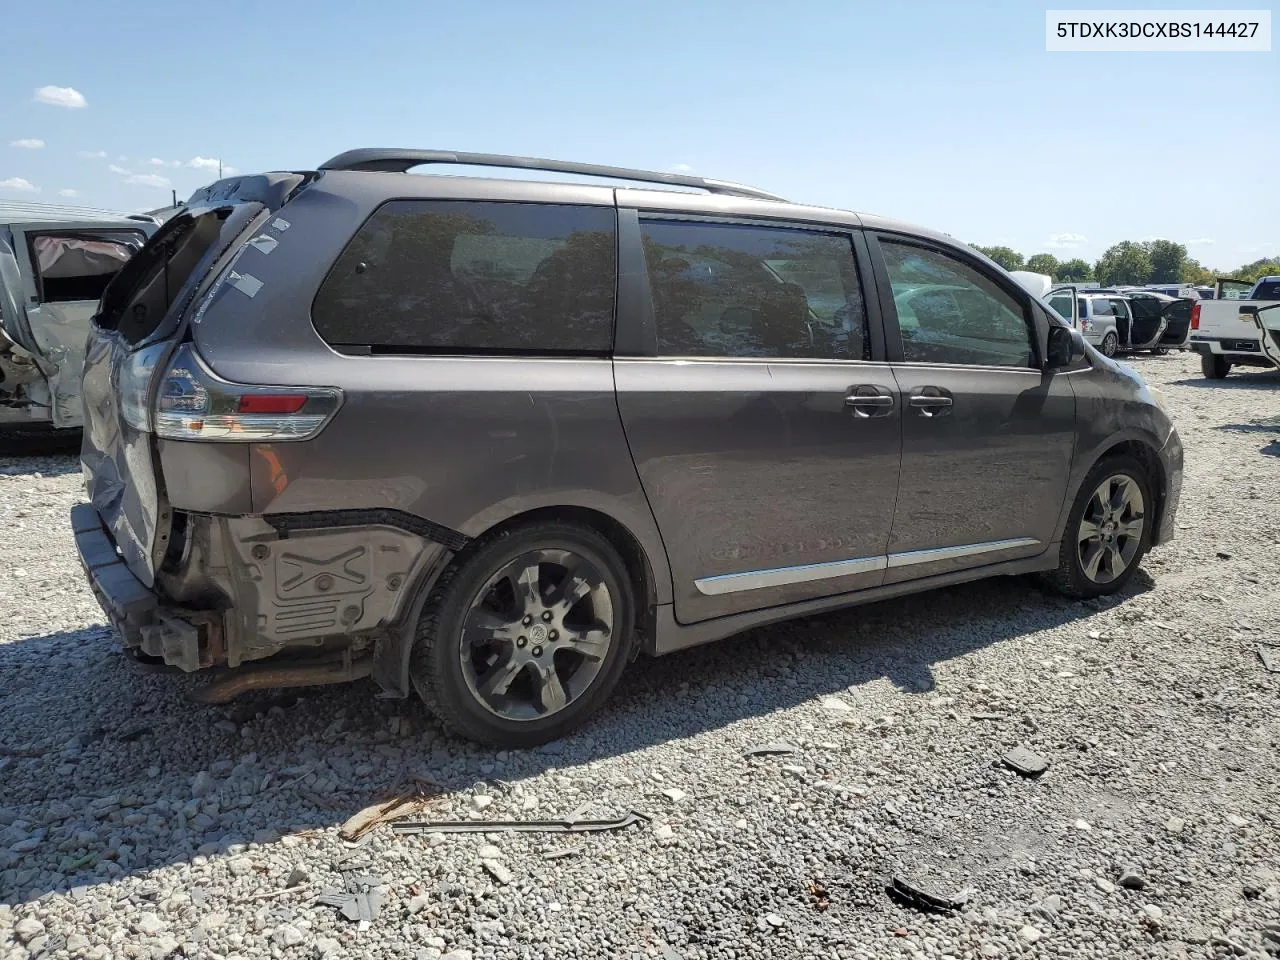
[134, 823]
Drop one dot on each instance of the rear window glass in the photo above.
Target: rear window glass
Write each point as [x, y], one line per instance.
[1102, 308]
[1270, 290]
[78, 266]
[446, 276]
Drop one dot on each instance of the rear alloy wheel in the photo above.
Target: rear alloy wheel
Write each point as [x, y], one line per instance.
[1108, 531]
[1214, 365]
[526, 636]
[1109, 345]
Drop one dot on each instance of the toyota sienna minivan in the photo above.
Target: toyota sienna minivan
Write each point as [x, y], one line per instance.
[490, 439]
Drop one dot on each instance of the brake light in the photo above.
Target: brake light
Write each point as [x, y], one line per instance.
[193, 403]
[1195, 316]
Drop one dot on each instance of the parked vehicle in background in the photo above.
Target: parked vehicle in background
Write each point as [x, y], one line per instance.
[1184, 291]
[488, 439]
[55, 262]
[1092, 314]
[1118, 323]
[1223, 335]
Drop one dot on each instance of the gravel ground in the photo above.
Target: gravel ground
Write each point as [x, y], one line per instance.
[134, 823]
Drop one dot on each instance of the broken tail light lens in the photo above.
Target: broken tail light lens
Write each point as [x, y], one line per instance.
[193, 403]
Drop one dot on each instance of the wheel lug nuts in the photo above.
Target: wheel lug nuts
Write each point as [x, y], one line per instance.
[521, 642]
[554, 635]
[527, 620]
[537, 651]
[546, 615]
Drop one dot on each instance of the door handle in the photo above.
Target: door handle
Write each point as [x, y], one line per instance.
[931, 401]
[868, 400]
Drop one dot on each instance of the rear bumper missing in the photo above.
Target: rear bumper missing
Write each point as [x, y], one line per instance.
[186, 639]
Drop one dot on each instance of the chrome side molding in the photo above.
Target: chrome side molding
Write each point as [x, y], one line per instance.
[785, 576]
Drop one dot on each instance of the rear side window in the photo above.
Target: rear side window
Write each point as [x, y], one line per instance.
[446, 276]
[732, 290]
[1270, 290]
[1102, 308]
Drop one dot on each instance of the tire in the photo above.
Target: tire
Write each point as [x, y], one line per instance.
[1110, 343]
[1073, 577]
[483, 647]
[1214, 365]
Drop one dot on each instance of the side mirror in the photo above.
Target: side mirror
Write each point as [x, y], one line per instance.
[1066, 346]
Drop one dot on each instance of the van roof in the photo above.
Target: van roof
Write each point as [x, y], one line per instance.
[21, 211]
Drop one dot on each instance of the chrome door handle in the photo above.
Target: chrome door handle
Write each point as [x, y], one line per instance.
[869, 400]
[931, 402]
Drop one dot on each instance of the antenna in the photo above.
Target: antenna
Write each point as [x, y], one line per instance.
[219, 168]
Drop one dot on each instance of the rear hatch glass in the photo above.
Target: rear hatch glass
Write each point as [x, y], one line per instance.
[139, 323]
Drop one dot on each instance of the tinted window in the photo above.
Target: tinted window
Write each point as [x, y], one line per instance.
[467, 276]
[950, 312]
[1268, 290]
[1062, 306]
[1102, 308]
[727, 290]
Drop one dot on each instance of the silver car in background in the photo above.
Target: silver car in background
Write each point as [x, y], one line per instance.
[55, 261]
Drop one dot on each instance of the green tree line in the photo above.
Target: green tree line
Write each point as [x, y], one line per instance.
[1130, 262]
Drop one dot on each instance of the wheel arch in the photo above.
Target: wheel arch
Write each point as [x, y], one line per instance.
[1145, 452]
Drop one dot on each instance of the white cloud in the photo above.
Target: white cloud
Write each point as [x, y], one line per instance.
[68, 192]
[1205, 241]
[120, 170]
[18, 185]
[93, 154]
[1065, 241]
[149, 180]
[68, 97]
[27, 143]
[157, 162]
[681, 168]
[122, 159]
[210, 163]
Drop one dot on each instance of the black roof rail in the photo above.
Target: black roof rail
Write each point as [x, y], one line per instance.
[397, 160]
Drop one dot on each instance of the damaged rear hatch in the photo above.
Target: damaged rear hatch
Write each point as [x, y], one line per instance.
[142, 319]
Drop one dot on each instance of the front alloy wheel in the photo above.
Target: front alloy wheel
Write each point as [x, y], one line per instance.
[1111, 528]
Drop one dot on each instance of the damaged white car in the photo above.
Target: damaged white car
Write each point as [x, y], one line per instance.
[55, 261]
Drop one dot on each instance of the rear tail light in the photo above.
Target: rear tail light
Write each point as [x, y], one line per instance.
[193, 403]
[1084, 323]
[1195, 316]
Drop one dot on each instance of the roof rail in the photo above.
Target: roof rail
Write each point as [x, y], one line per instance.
[397, 160]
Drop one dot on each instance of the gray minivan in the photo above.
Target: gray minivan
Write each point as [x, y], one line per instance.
[489, 439]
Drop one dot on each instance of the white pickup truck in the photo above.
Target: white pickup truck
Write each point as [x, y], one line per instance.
[1225, 336]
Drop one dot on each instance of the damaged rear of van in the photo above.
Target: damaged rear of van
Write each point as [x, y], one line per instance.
[55, 262]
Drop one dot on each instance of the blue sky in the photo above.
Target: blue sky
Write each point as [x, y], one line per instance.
[947, 114]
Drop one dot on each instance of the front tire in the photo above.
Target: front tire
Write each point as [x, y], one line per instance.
[1214, 365]
[1110, 343]
[1108, 531]
[526, 635]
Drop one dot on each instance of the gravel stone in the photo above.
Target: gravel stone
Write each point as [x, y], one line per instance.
[142, 820]
[1131, 878]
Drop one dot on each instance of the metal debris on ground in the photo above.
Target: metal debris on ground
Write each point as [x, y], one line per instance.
[356, 907]
[775, 748]
[1024, 761]
[519, 826]
[1270, 655]
[559, 853]
[413, 802]
[926, 894]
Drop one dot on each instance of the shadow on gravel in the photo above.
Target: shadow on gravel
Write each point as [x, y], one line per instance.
[25, 442]
[1264, 425]
[81, 763]
[1236, 380]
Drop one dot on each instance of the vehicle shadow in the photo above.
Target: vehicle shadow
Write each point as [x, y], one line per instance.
[55, 462]
[1263, 425]
[126, 750]
[1234, 381]
[22, 442]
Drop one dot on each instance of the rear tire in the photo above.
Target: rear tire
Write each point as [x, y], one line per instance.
[525, 635]
[1214, 365]
[1110, 343]
[1108, 530]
